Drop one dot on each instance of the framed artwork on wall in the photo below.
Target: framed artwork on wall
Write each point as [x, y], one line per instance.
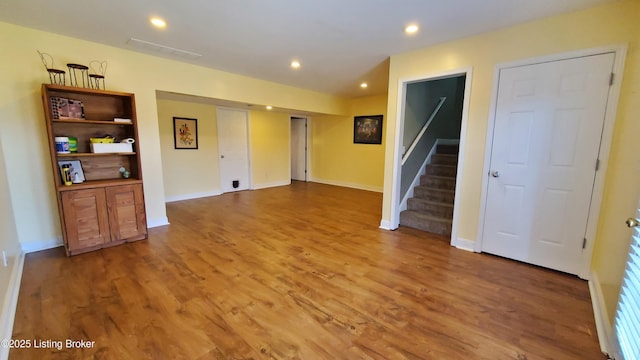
[367, 129]
[185, 133]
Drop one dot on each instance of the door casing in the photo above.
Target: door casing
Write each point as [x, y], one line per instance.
[397, 171]
[605, 145]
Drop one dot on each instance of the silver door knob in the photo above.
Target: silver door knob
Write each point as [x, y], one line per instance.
[495, 173]
[631, 222]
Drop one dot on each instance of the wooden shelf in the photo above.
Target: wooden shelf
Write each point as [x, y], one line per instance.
[93, 122]
[72, 155]
[89, 184]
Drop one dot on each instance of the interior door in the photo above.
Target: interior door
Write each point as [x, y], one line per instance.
[546, 139]
[298, 149]
[233, 147]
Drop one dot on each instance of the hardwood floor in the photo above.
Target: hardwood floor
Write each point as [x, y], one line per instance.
[298, 272]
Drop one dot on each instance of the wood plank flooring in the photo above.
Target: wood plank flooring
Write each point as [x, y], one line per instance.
[298, 272]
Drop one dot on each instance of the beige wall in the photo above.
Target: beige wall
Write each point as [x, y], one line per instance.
[335, 159]
[189, 173]
[270, 145]
[612, 24]
[23, 133]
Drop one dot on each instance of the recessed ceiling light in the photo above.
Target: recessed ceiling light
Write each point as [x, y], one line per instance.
[295, 64]
[269, 107]
[364, 85]
[157, 22]
[411, 29]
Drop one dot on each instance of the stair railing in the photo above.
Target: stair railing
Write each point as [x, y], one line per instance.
[415, 142]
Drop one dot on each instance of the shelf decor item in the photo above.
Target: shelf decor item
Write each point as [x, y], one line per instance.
[56, 76]
[367, 129]
[98, 206]
[96, 79]
[185, 133]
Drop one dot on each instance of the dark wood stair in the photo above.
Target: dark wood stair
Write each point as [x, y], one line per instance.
[431, 207]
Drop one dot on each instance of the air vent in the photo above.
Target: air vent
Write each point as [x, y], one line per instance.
[141, 44]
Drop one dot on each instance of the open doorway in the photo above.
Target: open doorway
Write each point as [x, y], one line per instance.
[299, 148]
[432, 127]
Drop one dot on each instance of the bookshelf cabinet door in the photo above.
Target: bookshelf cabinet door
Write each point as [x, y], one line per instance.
[127, 218]
[85, 218]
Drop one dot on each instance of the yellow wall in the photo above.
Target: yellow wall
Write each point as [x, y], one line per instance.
[23, 133]
[599, 26]
[189, 173]
[335, 159]
[8, 239]
[270, 145]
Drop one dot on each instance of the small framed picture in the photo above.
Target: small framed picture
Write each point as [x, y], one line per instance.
[75, 170]
[367, 129]
[185, 133]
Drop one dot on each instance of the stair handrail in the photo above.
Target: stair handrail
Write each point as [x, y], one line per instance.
[406, 155]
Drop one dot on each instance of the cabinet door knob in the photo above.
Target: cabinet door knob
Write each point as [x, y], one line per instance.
[631, 222]
[221, 156]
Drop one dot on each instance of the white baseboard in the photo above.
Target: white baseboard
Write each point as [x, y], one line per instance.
[270, 185]
[464, 244]
[349, 185]
[606, 336]
[10, 302]
[192, 196]
[386, 225]
[41, 245]
[161, 221]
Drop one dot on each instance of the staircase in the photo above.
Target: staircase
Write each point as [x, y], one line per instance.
[431, 207]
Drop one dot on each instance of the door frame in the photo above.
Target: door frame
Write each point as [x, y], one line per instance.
[620, 52]
[248, 134]
[307, 119]
[397, 171]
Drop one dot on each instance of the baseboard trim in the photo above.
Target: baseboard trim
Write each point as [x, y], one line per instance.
[464, 244]
[192, 196]
[603, 325]
[11, 302]
[349, 185]
[386, 225]
[270, 185]
[30, 247]
[161, 221]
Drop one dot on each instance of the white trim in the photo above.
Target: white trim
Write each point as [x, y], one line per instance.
[161, 221]
[347, 184]
[397, 151]
[461, 151]
[10, 302]
[34, 246]
[606, 336]
[271, 184]
[386, 225]
[620, 52]
[464, 244]
[190, 196]
[416, 179]
[415, 142]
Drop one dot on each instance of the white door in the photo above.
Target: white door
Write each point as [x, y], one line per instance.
[298, 149]
[233, 147]
[546, 139]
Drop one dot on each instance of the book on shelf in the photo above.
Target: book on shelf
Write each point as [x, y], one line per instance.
[122, 120]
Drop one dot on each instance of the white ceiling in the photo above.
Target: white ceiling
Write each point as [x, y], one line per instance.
[340, 43]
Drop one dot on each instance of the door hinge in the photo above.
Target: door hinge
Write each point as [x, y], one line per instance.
[597, 164]
[611, 79]
[584, 243]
